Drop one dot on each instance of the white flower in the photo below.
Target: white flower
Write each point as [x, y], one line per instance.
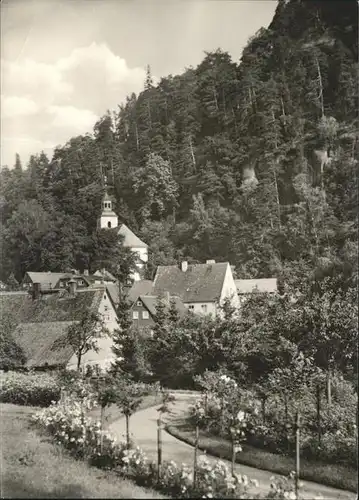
[241, 416]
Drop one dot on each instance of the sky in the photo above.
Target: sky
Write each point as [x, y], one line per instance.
[64, 63]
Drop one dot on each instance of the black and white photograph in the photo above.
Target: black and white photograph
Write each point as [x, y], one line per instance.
[179, 249]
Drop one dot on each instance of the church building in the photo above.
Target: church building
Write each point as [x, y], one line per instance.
[109, 220]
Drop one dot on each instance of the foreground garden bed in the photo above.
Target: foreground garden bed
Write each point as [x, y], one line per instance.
[336, 476]
[34, 467]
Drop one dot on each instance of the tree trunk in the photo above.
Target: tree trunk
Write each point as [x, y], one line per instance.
[137, 139]
[329, 389]
[263, 405]
[159, 448]
[233, 455]
[128, 431]
[277, 198]
[79, 356]
[321, 98]
[195, 457]
[297, 454]
[205, 404]
[192, 153]
[318, 414]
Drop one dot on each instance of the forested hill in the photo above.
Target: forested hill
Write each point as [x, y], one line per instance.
[251, 161]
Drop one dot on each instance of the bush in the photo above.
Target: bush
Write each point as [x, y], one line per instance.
[222, 400]
[68, 424]
[29, 389]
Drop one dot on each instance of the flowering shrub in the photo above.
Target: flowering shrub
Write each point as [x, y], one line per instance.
[84, 438]
[31, 389]
[274, 428]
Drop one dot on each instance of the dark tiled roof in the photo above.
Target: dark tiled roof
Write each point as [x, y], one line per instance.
[268, 285]
[104, 274]
[150, 302]
[200, 283]
[143, 287]
[20, 307]
[114, 292]
[37, 339]
[49, 279]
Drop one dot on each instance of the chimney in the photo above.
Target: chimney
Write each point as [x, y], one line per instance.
[210, 261]
[86, 272]
[36, 291]
[184, 266]
[72, 287]
[167, 298]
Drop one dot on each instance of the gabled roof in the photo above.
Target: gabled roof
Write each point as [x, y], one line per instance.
[74, 277]
[266, 285]
[200, 283]
[37, 339]
[104, 274]
[49, 279]
[130, 239]
[21, 308]
[114, 292]
[150, 302]
[142, 287]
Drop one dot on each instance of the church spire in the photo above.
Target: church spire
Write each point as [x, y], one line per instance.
[108, 217]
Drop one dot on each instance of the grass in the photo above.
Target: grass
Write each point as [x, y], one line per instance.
[336, 476]
[33, 467]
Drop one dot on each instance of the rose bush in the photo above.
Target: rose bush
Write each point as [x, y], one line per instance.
[273, 427]
[30, 389]
[68, 423]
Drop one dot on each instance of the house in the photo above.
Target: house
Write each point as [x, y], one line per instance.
[47, 279]
[109, 220]
[38, 319]
[143, 309]
[247, 287]
[143, 287]
[82, 281]
[105, 276]
[201, 287]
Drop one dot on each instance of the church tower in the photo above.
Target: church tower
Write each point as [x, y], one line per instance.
[108, 218]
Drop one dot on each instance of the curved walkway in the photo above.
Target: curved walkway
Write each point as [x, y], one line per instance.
[143, 429]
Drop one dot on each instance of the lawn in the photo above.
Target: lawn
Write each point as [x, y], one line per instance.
[337, 476]
[33, 467]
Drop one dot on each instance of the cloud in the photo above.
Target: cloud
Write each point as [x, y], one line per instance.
[12, 106]
[50, 103]
[70, 117]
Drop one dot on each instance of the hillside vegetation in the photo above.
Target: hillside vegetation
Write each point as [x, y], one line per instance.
[250, 161]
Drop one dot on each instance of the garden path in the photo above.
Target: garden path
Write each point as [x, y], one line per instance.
[143, 429]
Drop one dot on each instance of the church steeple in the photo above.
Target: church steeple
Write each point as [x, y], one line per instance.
[108, 218]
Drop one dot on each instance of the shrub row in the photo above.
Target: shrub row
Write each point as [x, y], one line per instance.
[30, 389]
[333, 442]
[68, 423]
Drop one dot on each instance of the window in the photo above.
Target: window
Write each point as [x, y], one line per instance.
[135, 315]
[139, 303]
[145, 315]
[80, 282]
[61, 284]
[191, 308]
[204, 308]
[109, 224]
[106, 308]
